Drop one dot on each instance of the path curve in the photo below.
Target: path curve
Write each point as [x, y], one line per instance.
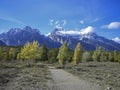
[66, 81]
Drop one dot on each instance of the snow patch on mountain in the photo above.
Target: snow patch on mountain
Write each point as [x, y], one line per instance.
[48, 34]
[116, 39]
[87, 30]
[86, 36]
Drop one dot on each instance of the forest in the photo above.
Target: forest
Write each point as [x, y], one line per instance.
[63, 55]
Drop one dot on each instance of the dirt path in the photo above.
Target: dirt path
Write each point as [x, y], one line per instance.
[66, 81]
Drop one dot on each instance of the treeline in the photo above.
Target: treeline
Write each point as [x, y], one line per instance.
[9, 53]
[63, 55]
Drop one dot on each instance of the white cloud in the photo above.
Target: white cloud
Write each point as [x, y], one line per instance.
[51, 21]
[117, 39]
[86, 30]
[112, 25]
[57, 23]
[81, 22]
[58, 26]
[64, 22]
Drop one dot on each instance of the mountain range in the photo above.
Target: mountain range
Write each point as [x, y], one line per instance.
[2, 43]
[89, 40]
[19, 37]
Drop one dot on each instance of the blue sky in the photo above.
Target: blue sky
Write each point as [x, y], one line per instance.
[102, 15]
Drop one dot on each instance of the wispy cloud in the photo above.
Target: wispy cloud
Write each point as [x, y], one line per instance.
[112, 25]
[57, 23]
[98, 19]
[10, 19]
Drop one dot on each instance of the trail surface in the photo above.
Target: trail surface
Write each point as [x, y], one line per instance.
[66, 81]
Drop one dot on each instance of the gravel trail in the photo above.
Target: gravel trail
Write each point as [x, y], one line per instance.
[66, 81]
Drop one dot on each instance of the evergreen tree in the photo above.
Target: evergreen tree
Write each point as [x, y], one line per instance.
[115, 56]
[111, 56]
[77, 54]
[63, 54]
[12, 53]
[119, 57]
[52, 55]
[5, 54]
[0, 53]
[43, 53]
[97, 53]
[103, 56]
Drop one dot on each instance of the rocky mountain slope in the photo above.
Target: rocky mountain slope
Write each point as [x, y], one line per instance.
[89, 40]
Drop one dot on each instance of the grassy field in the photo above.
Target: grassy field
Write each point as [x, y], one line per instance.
[105, 74]
[17, 75]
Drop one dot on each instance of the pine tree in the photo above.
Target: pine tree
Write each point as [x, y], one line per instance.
[5, 53]
[52, 55]
[43, 53]
[115, 56]
[5, 56]
[12, 53]
[97, 53]
[111, 56]
[77, 54]
[63, 54]
[103, 56]
[119, 57]
[0, 53]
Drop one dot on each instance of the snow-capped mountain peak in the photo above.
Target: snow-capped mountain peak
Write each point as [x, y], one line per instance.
[86, 36]
[25, 29]
[57, 31]
[83, 33]
[87, 30]
[14, 31]
[117, 39]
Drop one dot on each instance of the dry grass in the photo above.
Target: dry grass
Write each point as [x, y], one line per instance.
[106, 74]
[17, 75]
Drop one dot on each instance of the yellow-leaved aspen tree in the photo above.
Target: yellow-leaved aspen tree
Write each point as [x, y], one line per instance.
[77, 54]
[63, 54]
